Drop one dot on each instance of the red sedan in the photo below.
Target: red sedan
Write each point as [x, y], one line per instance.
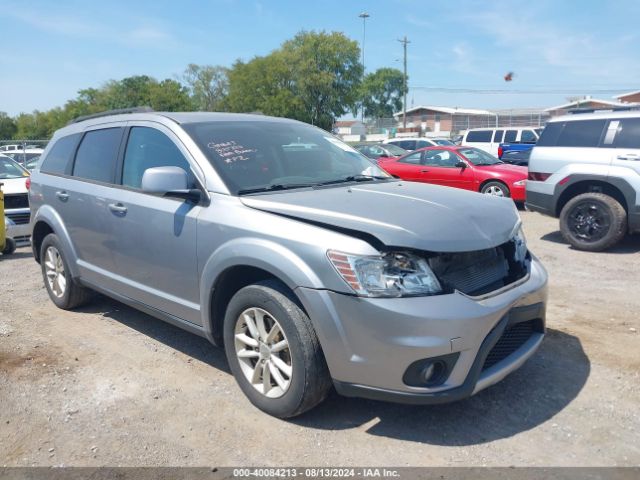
[461, 167]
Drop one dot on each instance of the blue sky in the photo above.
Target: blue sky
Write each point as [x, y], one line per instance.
[51, 49]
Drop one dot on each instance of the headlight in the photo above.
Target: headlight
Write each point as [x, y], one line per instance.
[520, 243]
[520, 183]
[394, 274]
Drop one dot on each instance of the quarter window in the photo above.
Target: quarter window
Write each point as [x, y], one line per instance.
[148, 148]
[59, 157]
[478, 136]
[97, 155]
[413, 159]
[628, 135]
[527, 136]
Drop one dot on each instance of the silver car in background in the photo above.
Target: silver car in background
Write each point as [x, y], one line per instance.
[312, 266]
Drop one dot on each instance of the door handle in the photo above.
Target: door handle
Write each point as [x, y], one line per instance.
[118, 209]
[425, 170]
[62, 195]
[629, 156]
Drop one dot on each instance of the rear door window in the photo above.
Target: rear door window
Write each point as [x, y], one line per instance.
[98, 154]
[497, 136]
[58, 160]
[581, 133]
[510, 136]
[479, 136]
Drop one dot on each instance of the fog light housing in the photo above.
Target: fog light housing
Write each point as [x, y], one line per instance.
[430, 372]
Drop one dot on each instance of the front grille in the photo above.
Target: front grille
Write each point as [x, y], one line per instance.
[19, 218]
[511, 340]
[16, 201]
[478, 272]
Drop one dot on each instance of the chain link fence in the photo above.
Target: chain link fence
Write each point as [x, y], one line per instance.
[446, 125]
[25, 152]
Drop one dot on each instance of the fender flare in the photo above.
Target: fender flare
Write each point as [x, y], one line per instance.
[266, 255]
[49, 216]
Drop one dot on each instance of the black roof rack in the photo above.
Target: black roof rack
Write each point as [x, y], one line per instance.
[574, 111]
[119, 111]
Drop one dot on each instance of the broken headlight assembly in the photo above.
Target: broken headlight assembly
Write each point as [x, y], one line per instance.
[393, 274]
[520, 245]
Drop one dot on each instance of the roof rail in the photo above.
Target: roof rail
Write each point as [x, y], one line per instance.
[574, 111]
[119, 111]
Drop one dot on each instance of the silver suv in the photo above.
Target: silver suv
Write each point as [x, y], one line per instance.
[585, 169]
[311, 265]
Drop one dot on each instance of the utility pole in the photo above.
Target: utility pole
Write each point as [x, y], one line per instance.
[363, 16]
[404, 42]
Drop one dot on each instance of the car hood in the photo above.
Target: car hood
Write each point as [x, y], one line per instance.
[402, 214]
[12, 186]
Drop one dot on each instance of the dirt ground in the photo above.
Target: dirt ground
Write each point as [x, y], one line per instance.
[107, 385]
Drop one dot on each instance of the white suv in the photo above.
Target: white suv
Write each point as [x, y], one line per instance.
[489, 139]
[585, 169]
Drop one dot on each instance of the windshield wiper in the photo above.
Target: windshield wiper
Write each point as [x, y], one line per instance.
[274, 187]
[355, 178]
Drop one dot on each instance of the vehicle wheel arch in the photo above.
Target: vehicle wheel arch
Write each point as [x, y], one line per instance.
[45, 221]
[494, 180]
[236, 265]
[587, 185]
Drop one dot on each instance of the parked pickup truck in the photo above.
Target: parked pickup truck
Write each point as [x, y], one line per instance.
[515, 153]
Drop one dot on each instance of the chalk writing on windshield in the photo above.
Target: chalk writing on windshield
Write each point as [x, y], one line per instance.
[231, 151]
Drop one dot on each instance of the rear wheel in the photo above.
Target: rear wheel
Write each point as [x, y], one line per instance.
[63, 290]
[9, 246]
[273, 351]
[497, 189]
[593, 221]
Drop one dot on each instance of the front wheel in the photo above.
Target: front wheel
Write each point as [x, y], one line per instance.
[593, 221]
[273, 351]
[63, 290]
[497, 189]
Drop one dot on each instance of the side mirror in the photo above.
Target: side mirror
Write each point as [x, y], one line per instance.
[461, 165]
[169, 182]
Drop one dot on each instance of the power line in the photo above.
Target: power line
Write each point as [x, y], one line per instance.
[559, 91]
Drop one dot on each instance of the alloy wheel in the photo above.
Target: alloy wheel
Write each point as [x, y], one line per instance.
[589, 221]
[54, 270]
[262, 350]
[494, 190]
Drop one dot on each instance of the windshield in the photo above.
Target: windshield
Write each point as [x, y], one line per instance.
[479, 157]
[253, 156]
[10, 169]
[394, 150]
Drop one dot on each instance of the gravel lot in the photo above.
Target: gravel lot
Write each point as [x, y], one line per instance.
[107, 385]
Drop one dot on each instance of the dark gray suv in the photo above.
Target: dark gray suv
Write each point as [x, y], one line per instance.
[312, 266]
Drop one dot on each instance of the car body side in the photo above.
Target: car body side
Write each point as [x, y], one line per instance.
[237, 245]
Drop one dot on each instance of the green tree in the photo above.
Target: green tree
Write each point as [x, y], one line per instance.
[328, 73]
[208, 86]
[381, 92]
[313, 77]
[7, 126]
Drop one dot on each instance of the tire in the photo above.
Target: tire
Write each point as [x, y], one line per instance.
[70, 294]
[593, 222]
[309, 381]
[496, 188]
[9, 246]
